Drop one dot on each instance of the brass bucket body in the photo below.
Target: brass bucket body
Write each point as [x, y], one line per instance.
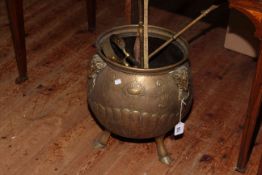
[139, 103]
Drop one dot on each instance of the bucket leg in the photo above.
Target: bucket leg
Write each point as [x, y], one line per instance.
[162, 152]
[102, 140]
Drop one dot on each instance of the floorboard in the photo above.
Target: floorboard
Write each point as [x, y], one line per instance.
[46, 128]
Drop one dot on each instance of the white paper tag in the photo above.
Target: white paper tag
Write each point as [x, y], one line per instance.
[179, 128]
[118, 81]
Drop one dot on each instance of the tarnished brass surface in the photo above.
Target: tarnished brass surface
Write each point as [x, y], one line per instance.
[139, 103]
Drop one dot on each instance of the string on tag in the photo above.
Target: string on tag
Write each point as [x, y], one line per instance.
[180, 126]
[181, 109]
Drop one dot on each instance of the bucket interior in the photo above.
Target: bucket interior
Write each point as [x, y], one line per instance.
[170, 55]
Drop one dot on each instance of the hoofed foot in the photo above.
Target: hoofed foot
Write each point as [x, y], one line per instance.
[102, 140]
[166, 160]
[162, 152]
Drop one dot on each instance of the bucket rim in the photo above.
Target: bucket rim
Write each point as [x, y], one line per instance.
[130, 30]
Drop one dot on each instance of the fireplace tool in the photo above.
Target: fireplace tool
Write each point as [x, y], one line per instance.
[140, 82]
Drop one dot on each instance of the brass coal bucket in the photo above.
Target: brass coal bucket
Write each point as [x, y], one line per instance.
[141, 103]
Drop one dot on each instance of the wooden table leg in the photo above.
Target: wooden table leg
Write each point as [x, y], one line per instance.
[132, 11]
[259, 172]
[252, 9]
[252, 117]
[91, 14]
[15, 13]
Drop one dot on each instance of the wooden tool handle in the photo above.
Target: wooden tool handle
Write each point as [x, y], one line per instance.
[145, 35]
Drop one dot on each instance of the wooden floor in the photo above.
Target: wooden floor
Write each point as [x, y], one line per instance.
[45, 127]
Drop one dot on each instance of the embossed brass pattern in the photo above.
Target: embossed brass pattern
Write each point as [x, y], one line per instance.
[182, 79]
[132, 123]
[97, 65]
